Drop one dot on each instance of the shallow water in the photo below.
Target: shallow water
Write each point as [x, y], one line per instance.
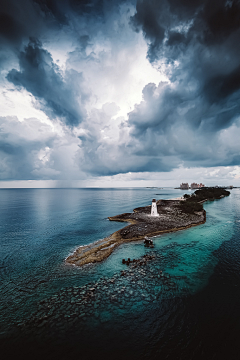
[163, 308]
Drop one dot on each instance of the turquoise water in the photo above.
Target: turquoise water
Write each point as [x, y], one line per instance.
[40, 227]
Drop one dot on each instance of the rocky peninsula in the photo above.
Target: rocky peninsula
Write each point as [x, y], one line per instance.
[174, 215]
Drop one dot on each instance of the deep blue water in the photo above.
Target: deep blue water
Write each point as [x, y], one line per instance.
[195, 316]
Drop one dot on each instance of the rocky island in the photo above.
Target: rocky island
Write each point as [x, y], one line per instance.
[174, 215]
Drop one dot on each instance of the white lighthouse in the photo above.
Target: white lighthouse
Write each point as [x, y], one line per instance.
[154, 208]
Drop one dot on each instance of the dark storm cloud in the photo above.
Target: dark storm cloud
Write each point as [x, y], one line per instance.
[211, 21]
[108, 160]
[221, 19]
[187, 6]
[198, 41]
[10, 28]
[175, 38]
[60, 10]
[54, 9]
[159, 112]
[27, 18]
[175, 127]
[148, 17]
[186, 119]
[17, 160]
[41, 77]
[19, 20]
[222, 86]
[59, 93]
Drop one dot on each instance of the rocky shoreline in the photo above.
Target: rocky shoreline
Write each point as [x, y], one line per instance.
[171, 218]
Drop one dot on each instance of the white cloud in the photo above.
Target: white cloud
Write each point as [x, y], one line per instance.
[20, 104]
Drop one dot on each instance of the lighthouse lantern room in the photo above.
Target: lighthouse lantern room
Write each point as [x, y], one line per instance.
[154, 211]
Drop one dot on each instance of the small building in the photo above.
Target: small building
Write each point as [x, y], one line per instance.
[194, 186]
[197, 186]
[184, 186]
[154, 211]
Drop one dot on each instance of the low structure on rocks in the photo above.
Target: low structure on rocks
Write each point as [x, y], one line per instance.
[148, 242]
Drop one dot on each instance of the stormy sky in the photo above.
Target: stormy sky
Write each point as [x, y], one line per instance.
[119, 93]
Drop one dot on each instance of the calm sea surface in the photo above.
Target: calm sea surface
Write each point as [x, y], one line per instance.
[184, 304]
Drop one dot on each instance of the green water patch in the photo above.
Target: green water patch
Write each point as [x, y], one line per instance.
[193, 249]
[188, 253]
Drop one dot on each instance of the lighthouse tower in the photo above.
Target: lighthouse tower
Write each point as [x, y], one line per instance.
[154, 208]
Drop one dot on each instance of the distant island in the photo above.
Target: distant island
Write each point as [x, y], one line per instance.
[174, 215]
[194, 186]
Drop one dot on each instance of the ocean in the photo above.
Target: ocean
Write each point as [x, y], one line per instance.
[183, 304]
